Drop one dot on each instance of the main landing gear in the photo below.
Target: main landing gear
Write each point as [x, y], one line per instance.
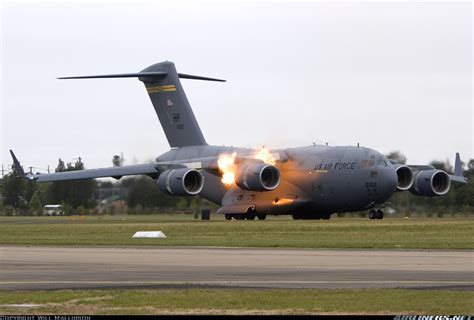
[251, 214]
[375, 214]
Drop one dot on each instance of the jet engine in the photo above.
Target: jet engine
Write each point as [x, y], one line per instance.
[181, 182]
[258, 177]
[431, 183]
[405, 177]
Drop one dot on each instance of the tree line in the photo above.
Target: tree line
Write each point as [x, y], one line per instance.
[142, 195]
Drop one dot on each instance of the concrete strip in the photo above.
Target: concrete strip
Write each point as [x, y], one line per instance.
[23, 268]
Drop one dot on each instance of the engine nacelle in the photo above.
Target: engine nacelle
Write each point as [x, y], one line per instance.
[405, 177]
[181, 182]
[431, 183]
[258, 177]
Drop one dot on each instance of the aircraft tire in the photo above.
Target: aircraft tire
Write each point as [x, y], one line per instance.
[228, 216]
[372, 214]
[379, 214]
[250, 215]
[261, 216]
[239, 216]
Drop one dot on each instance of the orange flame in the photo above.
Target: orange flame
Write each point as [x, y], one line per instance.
[265, 156]
[225, 162]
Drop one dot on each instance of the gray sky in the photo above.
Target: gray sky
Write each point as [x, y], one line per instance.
[392, 76]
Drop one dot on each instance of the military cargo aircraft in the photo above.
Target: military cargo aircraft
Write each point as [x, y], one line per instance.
[310, 182]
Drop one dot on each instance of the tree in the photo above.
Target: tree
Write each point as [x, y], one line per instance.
[35, 204]
[14, 191]
[117, 161]
[75, 193]
[145, 192]
[60, 166]
[465, 193]
[470, 165]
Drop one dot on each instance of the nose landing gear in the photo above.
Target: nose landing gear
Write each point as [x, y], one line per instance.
[376, 214]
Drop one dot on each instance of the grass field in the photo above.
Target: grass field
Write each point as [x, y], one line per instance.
[240, 301]
[183, 230]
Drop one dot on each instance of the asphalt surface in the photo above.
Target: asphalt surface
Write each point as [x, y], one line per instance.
[31, 268]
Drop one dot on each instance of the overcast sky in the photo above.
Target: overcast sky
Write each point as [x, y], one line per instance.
[392, 76]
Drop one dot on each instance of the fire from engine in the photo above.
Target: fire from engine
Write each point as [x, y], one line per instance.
[265, 156]
[227, 166]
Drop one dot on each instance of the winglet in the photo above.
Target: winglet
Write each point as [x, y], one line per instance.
[458, 177]
[457, 166]
[17, 168]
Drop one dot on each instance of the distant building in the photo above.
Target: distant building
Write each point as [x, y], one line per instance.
[110, 204]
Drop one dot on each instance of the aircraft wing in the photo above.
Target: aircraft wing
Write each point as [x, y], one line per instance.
[420, 167]
[150, 169]
[456, 177]
[115, 172]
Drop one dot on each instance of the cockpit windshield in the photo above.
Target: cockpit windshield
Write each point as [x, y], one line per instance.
[380, 161]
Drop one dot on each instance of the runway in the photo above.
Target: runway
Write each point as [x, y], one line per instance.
[31, 268]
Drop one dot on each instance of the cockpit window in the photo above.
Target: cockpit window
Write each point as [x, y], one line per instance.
[367, 163]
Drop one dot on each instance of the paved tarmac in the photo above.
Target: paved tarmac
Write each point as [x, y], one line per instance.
[31, 268]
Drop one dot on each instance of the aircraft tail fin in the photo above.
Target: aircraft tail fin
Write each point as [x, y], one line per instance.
[172, 106]
[169, 100]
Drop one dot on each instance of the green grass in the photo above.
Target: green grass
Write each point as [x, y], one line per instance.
[237, 301]
[182, 230]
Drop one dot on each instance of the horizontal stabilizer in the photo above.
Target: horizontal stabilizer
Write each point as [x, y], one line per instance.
[143, 76]
[121, 75]
[189, 76]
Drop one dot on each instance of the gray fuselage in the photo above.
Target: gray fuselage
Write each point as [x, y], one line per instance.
[328, 179]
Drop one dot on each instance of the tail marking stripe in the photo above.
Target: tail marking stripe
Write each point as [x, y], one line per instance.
[161, 88]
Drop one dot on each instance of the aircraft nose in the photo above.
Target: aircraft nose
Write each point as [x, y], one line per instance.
[388, 182]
